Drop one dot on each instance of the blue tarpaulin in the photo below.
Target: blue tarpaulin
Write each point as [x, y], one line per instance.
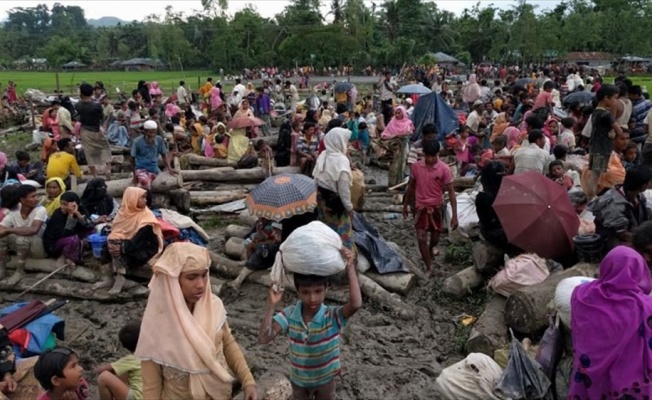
[431, 108]
[39, 330]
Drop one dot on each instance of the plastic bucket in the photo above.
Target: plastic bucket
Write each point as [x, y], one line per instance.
[97, 242]
[588, 247]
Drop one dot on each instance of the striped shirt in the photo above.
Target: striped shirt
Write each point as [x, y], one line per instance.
[314, 347]
[640, 108]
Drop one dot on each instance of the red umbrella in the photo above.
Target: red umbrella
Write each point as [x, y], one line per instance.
[537, 214]
[245, 122]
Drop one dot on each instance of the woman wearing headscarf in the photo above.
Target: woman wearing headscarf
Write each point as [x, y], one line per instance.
[244, 110]
[65, 229]
[472, 91]
[501, 123]
[96, 201]
[611, 329]
[191, 359]
[514, 138]
[398, 131]
[54, 187]
[334, 180]
[216, 99]
[3, 164]
[134, 240]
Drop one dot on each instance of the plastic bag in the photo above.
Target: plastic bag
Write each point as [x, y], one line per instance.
[378, 252]
[563, 294]
[550, 348]
[523, 378]
[522, 271]
[312, 249]
[467, 216]
[470, 379]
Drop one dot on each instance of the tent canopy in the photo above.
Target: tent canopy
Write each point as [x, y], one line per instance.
[444, 58]
[431, 108]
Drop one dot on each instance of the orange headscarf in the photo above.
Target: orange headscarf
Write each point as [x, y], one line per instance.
[130, 218]
[500, 124]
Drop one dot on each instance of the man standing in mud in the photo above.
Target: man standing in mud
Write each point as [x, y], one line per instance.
[428, 179]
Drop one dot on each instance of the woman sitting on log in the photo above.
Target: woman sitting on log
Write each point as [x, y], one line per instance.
[191, 360]
[65, 230]
[334, 180]
[54, 187]
[618, 306]
[135, 239]
[96, 202]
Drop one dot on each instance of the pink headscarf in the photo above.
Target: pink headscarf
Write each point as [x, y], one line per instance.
[399, 127]
[216, 100]
[154, 89]
[3, 161]
[611, 329]
[171, 110]
[513, 135]
[472, 92]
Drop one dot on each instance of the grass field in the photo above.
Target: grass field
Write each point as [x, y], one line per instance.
[125, 81]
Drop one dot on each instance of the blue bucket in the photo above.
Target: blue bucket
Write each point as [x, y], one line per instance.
[97, 241]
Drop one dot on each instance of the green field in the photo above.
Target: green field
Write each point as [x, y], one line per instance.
[125, 81]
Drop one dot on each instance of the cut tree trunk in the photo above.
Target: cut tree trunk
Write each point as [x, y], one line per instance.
[160, 200]
[163, 183]
[236, 231]
[487, 258]
[180, 198]
[235, 249]
[398, 282]
[382, 297]
[48, 265]
[526, 310]
[462, 283]
[196, 160]
[490, 331]
[77, 290]
[461, 183]
[211, 198]
[369, 206]
[228, 174]
[247, 219]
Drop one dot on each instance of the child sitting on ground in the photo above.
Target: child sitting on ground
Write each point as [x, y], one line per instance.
[558, 174]
[630, 155]
[58, 372]
[314, 332]
[266, 157]
[122, 380]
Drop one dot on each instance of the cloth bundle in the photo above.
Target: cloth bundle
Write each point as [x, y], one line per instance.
[313, 249]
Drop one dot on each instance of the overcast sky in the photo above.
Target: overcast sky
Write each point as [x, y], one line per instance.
[138, 9]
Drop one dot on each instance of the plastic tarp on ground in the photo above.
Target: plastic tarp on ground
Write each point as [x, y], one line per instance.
[431, 108]
[374, 248]
[39, 330]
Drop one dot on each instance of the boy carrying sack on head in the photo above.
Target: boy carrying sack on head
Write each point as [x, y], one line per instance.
[122, 380]
[312, 327]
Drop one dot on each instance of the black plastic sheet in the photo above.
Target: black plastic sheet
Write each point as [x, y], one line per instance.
[369, 242]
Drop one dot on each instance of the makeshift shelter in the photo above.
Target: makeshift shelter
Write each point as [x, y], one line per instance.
[431, 108]
[73, 65]
[445, 59]
[142, 64]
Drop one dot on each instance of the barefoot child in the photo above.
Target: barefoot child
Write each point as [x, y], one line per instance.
[122, 379]
[59, 373]
[314, 332]
[428, 179]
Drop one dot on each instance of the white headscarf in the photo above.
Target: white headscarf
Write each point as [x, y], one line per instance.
[333, 162]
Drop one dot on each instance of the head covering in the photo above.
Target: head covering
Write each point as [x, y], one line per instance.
[399, 127]
[149, 124]
[130, 218]
[189, 341]
[326, 116]
[611, 329]
[95, 198]
[408, 100]
[171, 110]
[513, 136]
[3, 162]
[500, 124]
[51, 205]
[472, 92]
[333, 162]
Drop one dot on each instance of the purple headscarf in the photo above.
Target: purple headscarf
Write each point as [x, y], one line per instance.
[612, 330]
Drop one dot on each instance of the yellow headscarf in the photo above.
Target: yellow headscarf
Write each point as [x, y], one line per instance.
[52, 205]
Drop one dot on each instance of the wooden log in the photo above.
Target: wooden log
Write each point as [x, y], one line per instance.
[211, 198]
[234, 248]
[196, 160]
[247, 219]
[399, 282]
[487, 258]
[228, 174]
[381, 207]
[462, 283]
[231, 269]
[77, 290]
[163, 183]
[462, 183]
[490, 331]
[236, 231]
[526, 311]
[180, 198]
[160, 200]
[48, 265]
[382, 297]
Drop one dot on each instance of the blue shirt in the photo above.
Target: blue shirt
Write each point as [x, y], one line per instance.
[314, 347]
[146, 155]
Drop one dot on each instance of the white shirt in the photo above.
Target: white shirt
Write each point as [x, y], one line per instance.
[386, 94]
[473, 121]
[294, 93]
[182, 95]
[531, 158]
[240, 88]
[567, 138]
[15, 220]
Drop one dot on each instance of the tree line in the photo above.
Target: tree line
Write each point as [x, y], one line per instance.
[357, 33]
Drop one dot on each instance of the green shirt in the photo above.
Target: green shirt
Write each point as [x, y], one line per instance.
[130, 366]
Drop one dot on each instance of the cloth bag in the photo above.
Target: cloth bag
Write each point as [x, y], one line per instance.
[522, 271]
[313, 249]
[470, 379]
[563, 294]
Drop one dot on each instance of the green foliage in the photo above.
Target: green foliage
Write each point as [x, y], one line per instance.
[459, 253]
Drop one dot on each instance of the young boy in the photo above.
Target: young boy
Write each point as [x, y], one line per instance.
[558, 175]
[22, 166]
[428, 132]
[59, 373]
[314, 332]
[122, 379]
[266, 157]
[567, 137]
[428, 179]
[62, 163]
[21, 230]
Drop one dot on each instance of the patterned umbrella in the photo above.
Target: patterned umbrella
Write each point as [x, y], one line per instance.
[283, 196]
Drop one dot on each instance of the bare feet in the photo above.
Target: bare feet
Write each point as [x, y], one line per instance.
[106, 282]
[117, 284]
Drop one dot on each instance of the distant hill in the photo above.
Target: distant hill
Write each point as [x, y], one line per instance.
[106, 21]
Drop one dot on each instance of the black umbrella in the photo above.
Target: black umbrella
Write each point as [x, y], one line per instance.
[341, 87]
[582, 97]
